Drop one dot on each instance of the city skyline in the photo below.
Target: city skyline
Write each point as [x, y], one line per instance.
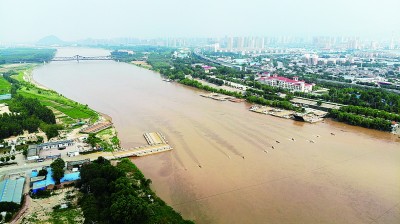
[74, 20]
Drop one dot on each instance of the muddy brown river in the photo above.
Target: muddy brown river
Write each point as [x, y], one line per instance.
[230, 165]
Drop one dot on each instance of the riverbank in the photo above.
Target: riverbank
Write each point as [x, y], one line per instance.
[207, 179]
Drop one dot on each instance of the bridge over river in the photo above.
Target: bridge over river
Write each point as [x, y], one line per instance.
[82, 58]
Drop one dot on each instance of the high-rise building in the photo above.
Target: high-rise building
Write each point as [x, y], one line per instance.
[240, 43]
[314, 59]
[229, 44]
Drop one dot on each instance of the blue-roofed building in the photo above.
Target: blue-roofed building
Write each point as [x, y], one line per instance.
[12, 190]
[34, 173]
[70, 177]
[49, 181]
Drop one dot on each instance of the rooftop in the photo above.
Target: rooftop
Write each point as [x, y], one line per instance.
[55, 143]
[284, 79]
[11, 190]
[50, 181]
[33, 150]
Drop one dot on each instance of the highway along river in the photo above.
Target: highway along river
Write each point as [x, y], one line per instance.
[230, 165]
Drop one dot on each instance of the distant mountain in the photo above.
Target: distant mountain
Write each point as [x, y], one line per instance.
[50, 41]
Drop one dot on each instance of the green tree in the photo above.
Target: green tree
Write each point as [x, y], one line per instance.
[129, 209]
[42, 172]
[118, 194]
[92, 140]
[51, 130]
[25, 152]
[39, 139]
[58, 169]
[8, 216]
[12, 157]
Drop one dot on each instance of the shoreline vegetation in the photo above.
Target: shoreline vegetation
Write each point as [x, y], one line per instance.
[119, 193]
[369, 108]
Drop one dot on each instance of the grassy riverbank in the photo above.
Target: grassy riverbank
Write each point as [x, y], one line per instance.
[68, 113]
[5, 86]
[71, 111]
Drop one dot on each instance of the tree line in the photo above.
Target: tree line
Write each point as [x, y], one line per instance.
[27, 114]
[197, 84]
[14, 83]
[369, 112]
[283, 104]
[121, 194]
[360, 120]
[29, 55]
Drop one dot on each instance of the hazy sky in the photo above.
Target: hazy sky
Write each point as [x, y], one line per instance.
[30, 20]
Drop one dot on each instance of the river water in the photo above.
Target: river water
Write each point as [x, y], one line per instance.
[230, 165]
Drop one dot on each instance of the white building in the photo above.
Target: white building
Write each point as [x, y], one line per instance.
[286, 83]
[55, 145]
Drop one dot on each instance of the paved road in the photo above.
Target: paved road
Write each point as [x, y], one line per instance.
[22, 211]
[23, 167]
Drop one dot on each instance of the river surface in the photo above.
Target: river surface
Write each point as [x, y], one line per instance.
[230, 165]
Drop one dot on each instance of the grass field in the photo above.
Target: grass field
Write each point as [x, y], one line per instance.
[20, 76]
[71, 109]
[68, 111]
[4, 86]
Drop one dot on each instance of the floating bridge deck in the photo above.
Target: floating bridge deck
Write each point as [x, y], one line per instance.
[156, 143]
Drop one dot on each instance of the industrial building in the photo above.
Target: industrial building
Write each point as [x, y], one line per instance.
[11, 190]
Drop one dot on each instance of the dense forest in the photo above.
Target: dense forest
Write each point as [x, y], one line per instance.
[26, 55]
[364, 97]
[27, 114]
[121, 194]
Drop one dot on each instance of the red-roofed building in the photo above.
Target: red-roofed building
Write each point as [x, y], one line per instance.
[207, 68]
[286, 83]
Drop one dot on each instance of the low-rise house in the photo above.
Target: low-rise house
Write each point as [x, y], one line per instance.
[57, 144]
[33, 152]
[77, 164]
